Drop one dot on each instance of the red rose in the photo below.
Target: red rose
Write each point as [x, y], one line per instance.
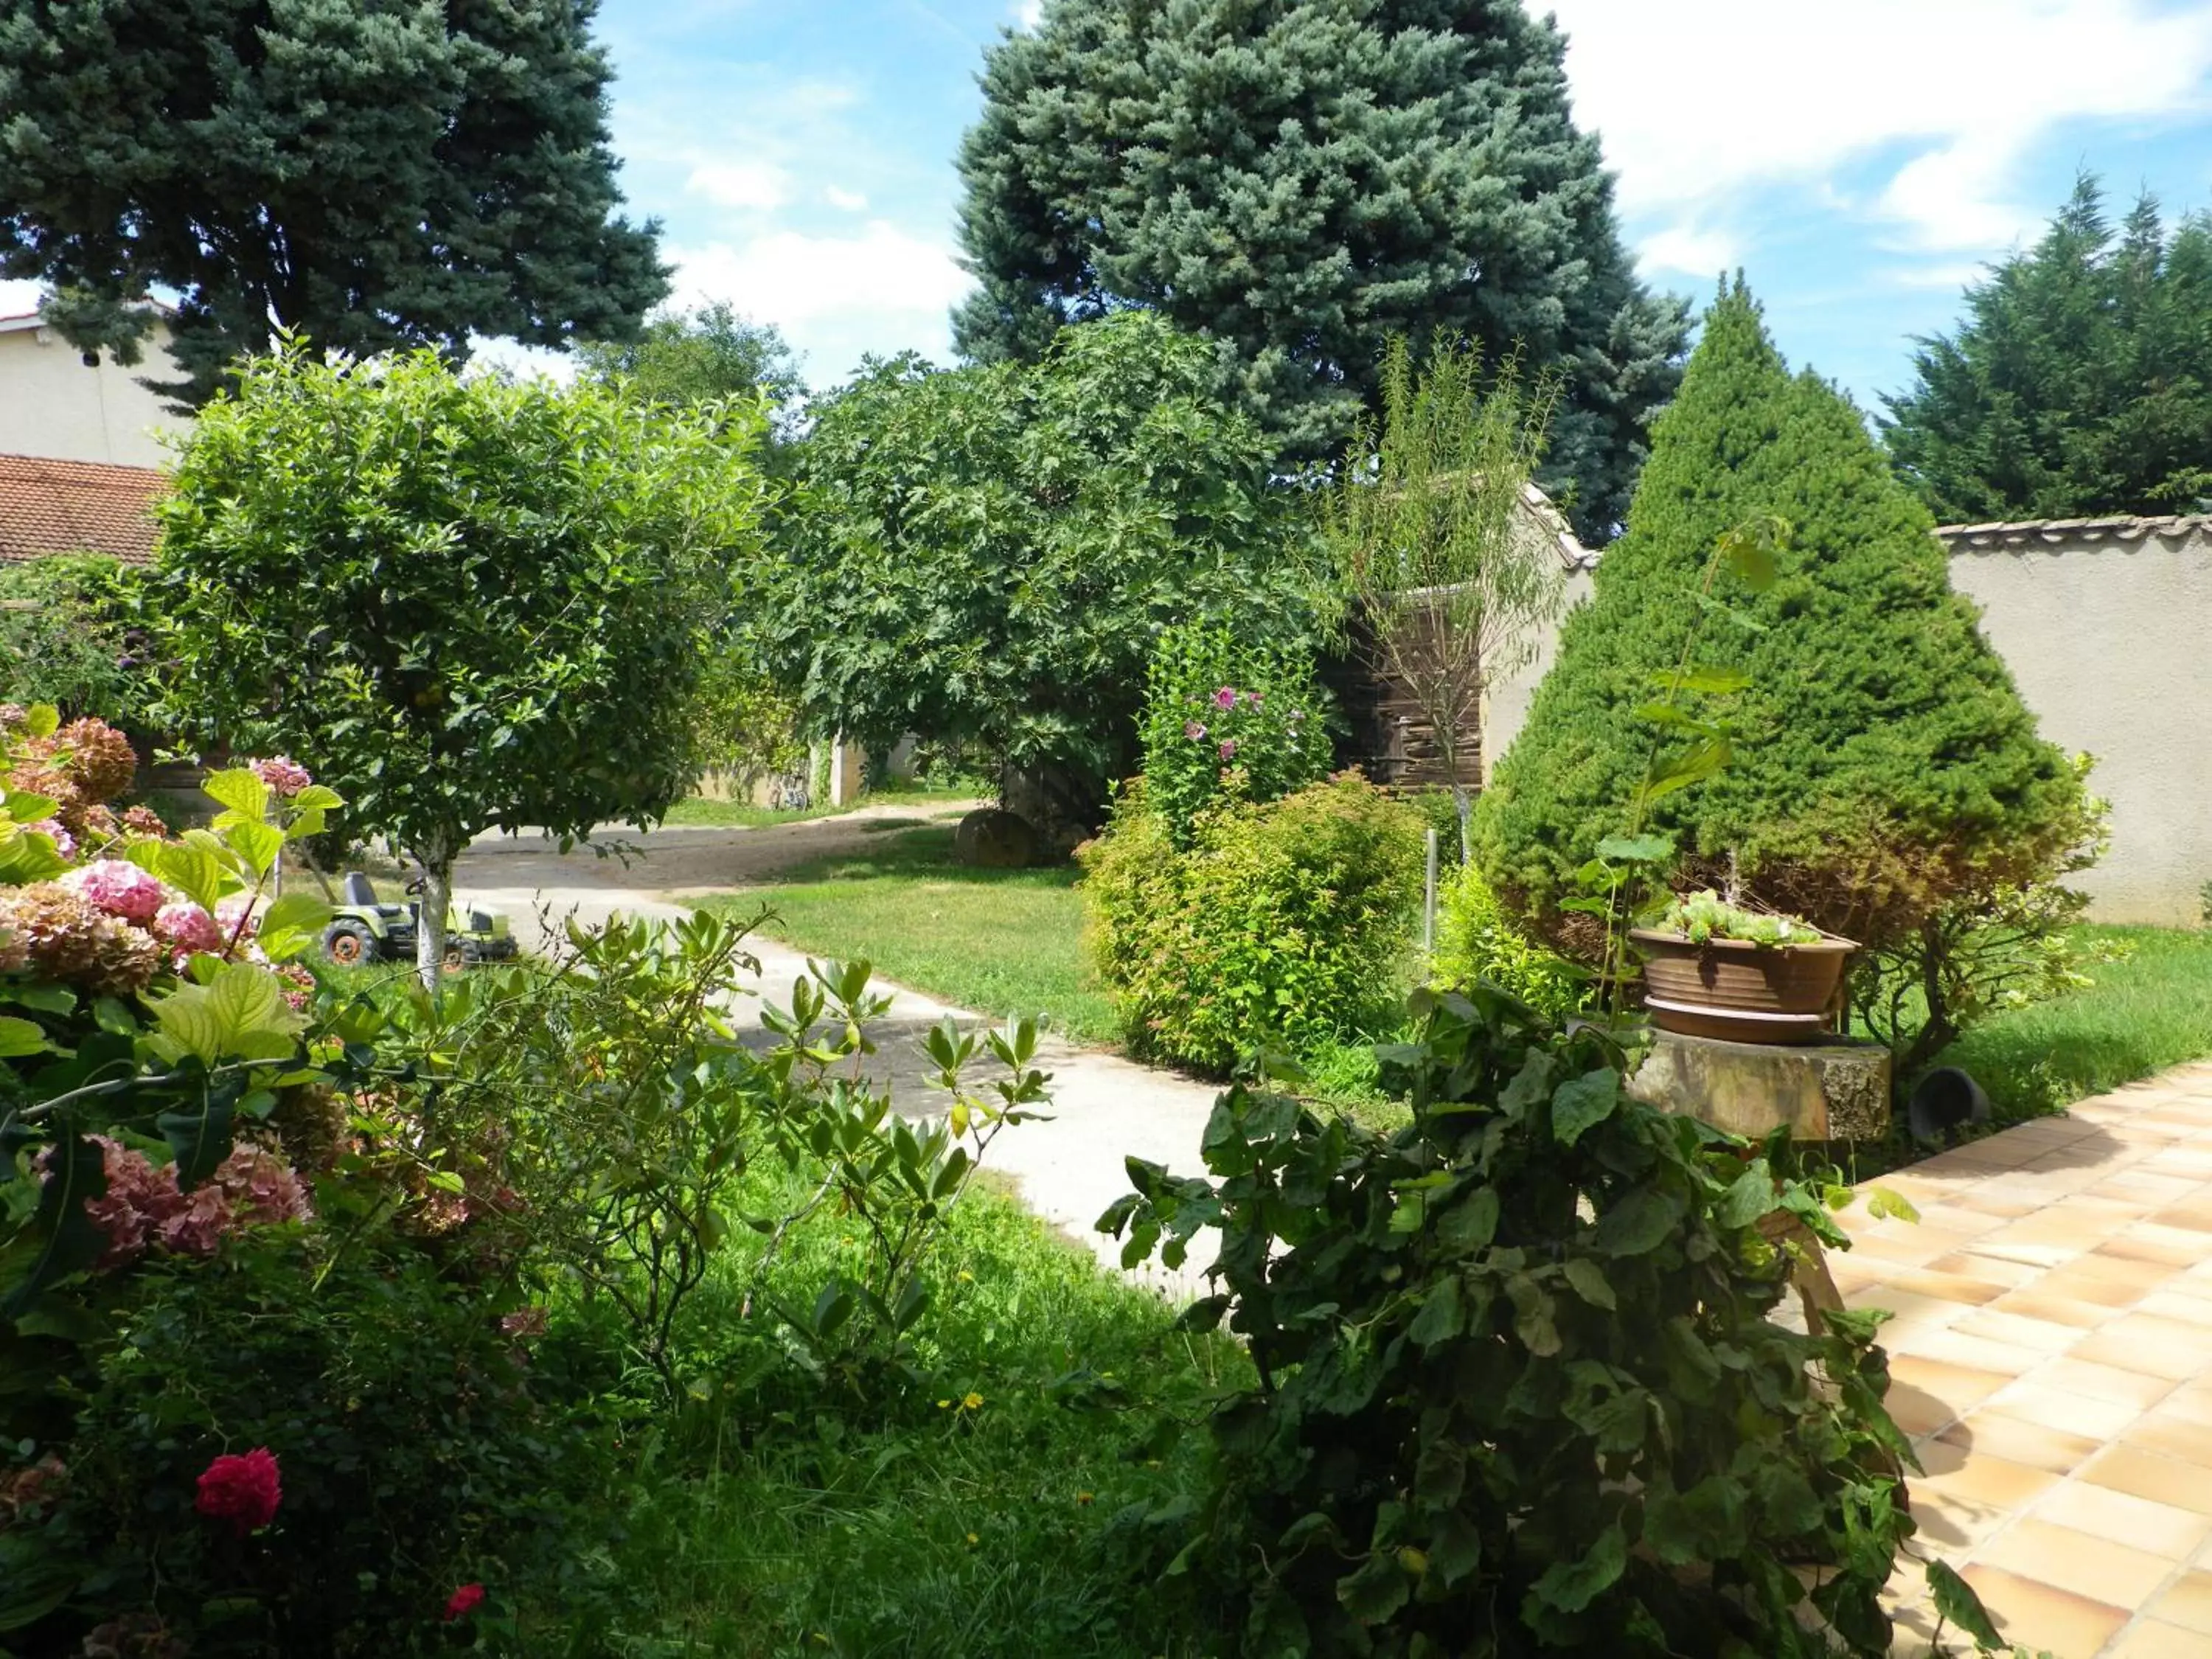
[243, 1490]
[463, 1602]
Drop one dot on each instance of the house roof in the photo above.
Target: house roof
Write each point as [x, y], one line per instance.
[50, 506]
[1573, 554]
[2060, 535]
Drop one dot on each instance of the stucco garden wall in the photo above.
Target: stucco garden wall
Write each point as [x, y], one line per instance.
[2106, 625]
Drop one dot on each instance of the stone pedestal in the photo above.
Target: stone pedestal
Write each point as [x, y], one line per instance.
[1836, 1090]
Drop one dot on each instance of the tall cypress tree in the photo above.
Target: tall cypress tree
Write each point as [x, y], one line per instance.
[1884, 763]
[2080, 382]
[373, 174]
[1302, 178]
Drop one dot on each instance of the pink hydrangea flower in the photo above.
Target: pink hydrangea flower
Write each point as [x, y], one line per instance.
[1195, 730]
[143, 1207]
[1225, 697]
[235, 916]
[285, 777]
[1254, 698]
[121, 889]
[1227, 749]
[64, 843]
[185, 928]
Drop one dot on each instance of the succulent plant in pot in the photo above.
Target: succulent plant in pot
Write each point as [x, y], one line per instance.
[1713, 969]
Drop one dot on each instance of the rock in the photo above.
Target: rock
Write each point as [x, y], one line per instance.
[1835, 1091]
[991, 838]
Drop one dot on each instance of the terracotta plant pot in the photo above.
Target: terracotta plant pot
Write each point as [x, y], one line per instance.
[1740, 991]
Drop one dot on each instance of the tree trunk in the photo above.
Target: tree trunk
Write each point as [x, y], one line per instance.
[430, 924]
[1464, 801]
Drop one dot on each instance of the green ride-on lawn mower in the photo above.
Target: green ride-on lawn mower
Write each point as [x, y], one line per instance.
[364, 930]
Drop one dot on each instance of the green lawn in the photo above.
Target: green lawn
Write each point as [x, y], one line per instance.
[997, 941]
[699, 812]
[2142, 1014]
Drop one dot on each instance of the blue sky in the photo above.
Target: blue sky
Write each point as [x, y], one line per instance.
[1860, 160]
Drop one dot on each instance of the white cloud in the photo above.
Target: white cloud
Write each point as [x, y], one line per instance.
[760, 185]
[1698, 98]
[851, 200]
[1688, 250]
[882, 290]
[1028, 13]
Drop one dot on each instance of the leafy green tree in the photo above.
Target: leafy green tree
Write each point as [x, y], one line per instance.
[66, 638]
[686, 358]
[1878, 760]
[370, 176]
[987, 556]
[2080, 383]
[465, 604]
[1431, 531]
[1299, 178]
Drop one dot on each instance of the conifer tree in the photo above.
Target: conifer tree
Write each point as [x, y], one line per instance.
[372, 176]
[1301, 179]
[2080, 383]
[1883, 764]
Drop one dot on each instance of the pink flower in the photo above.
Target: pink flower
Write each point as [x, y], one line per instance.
[185, 928]
[1195, 730]
[284, 776]
[234, 915]
[243, 1490]
[1254, 698]
[523, 1321]
[1228, 747]
[143, 1207]
[118, 888]
[463, 1602]
[1224, 698]
[64, 843]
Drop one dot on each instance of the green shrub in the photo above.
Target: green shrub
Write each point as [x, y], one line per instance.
[416, 1447]
[1879, 764]
[1476, 940]
[1226, 717]
[1518, 1372]
[68, 636]
[1284, 924]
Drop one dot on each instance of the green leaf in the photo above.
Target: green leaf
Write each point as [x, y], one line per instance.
[1440, 1474]
[1442, 1316]
[292, 923]
[1635, 849]
[69, 1241]
[1692, 766]
[198, 1140]
[47, 998]
[1956, 1603]
[1712, 681]
[192, 869]
[19, 1038]
[1750, 1196]
[41, 720]
[1571, 1586]
[1471, 1224]
[1590, 1283]
[1375, 1592]
[1748, 550]
[1582, 1102]
[255, 842]
[1638, 1224]
[25, 807]
[1454, 1547]
[240, 790]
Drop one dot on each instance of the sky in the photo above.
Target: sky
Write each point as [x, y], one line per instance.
[1860, 160]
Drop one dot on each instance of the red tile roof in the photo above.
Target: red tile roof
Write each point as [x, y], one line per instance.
[49, 507]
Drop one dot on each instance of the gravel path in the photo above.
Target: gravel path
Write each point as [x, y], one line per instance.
[1104, 1107]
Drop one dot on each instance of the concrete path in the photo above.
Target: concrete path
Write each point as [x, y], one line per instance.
[1105, 1109]
[2051, 1357]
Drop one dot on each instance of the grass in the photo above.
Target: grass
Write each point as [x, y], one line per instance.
[925, 1525]
[997, 941]
[699, 812]
[2141, 1015]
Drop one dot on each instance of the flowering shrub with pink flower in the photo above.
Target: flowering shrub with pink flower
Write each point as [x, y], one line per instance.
[1228, 720]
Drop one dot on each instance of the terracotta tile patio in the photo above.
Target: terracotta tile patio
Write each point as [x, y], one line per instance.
[2051, 1357]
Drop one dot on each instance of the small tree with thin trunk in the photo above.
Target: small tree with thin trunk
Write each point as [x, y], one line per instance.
[466, 603]
[1435, 550]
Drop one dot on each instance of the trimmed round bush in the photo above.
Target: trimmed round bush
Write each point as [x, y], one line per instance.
[1882, 763]
[1283, 925]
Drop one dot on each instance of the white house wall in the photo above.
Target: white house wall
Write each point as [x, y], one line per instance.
[52, 405]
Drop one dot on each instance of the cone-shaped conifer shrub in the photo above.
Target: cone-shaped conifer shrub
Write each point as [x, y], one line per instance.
[1882, 763]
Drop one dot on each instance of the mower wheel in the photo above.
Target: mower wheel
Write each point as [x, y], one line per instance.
[456, 958]
[348, 945]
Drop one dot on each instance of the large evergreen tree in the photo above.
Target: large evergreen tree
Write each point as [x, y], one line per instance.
[1883, 762]
[373, 174]
[1301, 179]
[2080, 383]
